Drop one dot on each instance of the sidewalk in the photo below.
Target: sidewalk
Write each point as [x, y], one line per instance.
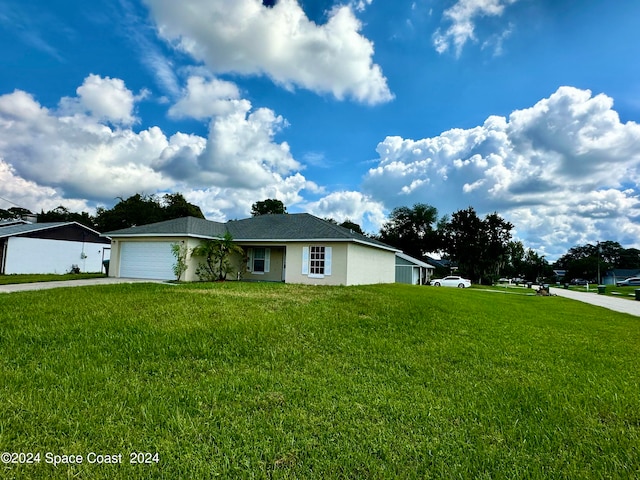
[24, 287]
[631, 307]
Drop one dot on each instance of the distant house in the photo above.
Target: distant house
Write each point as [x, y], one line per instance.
[559, 274]
[412, 271]
[51, 248]
[619, 274]
[292, 248]
[13, 221]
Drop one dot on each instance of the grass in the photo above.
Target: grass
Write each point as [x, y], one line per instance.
[46, 277]
[257, 380]
[622, 292]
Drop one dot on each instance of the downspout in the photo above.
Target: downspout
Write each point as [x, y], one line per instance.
[3, 260]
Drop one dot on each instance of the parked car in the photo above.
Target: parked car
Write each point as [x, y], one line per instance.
[628, 282]
[451, 281]
[578, 281]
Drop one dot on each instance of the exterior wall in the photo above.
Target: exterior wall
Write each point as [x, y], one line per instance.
[276, 264]
[351, 264]
[36, 255]
[368, 265]
[192, 262]
[338, 264]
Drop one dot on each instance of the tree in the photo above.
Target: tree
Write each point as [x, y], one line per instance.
[176, 206]
[13, 213]
[135, 210]
[180, 252]
[62, 214]
[497, 233]
[630, 258]
[217, 258]
[267, 207]
[412, 230]
[352, 226]
[463, 243]
[143, 209]
[479, 246]
[582, 261]
[346, 224]
[526, 264]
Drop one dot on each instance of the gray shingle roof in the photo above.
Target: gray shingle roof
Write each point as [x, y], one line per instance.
[286, 227]
[189, 226]
[413, 260]
[295, 227]
[13, 230]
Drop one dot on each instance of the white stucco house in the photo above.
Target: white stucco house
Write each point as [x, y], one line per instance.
[291, 248]
[51, 248]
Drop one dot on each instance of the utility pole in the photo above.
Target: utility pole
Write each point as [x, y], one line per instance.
[599, 253]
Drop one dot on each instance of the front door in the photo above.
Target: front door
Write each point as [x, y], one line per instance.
[284, 264]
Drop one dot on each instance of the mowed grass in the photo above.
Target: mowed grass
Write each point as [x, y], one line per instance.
[46, 277]
[250, 380]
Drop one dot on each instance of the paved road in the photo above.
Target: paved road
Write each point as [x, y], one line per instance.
[23, 287]
[607, 301]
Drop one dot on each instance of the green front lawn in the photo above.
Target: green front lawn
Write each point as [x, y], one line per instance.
[46, 277]
[257, 380]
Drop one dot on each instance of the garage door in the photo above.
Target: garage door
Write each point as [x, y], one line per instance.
[152, 260]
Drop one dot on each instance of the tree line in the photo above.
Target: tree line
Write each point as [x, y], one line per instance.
[587, 261]
[138, 209]
[481, 248]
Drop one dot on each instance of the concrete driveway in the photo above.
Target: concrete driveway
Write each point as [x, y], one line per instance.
[24, 287]
[622, 305]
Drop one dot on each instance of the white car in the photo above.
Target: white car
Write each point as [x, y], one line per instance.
[451, 281]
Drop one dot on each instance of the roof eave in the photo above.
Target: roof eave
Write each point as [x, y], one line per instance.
[164, 235]
[301, 240]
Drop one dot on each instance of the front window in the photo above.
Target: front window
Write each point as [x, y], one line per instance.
[258, 260]
[316, 260]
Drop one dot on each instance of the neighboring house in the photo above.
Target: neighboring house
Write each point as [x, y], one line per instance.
[412, 271]
[292, 248]
[619, 274]
[11, 222]
[51, 248]
[559, 274]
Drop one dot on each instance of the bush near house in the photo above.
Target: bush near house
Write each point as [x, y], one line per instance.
[258, 380]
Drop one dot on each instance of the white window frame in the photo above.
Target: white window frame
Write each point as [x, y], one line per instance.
[308, 257]
[251, 260]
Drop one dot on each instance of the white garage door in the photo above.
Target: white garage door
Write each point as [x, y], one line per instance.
[152, 260]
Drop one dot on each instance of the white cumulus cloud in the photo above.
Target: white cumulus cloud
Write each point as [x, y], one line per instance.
[205, 98]
[281, 42]
[463, 16]
[349, 205]
[87, 149]
[566, 171]
[105, 99]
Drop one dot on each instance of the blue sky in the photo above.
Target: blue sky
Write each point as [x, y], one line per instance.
[530, 108]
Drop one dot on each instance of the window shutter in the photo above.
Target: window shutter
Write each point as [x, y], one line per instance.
[250, 260]
[305, 260]
[327, 260]
[267, 259]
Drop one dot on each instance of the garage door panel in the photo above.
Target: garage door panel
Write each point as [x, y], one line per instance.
[152, 260]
